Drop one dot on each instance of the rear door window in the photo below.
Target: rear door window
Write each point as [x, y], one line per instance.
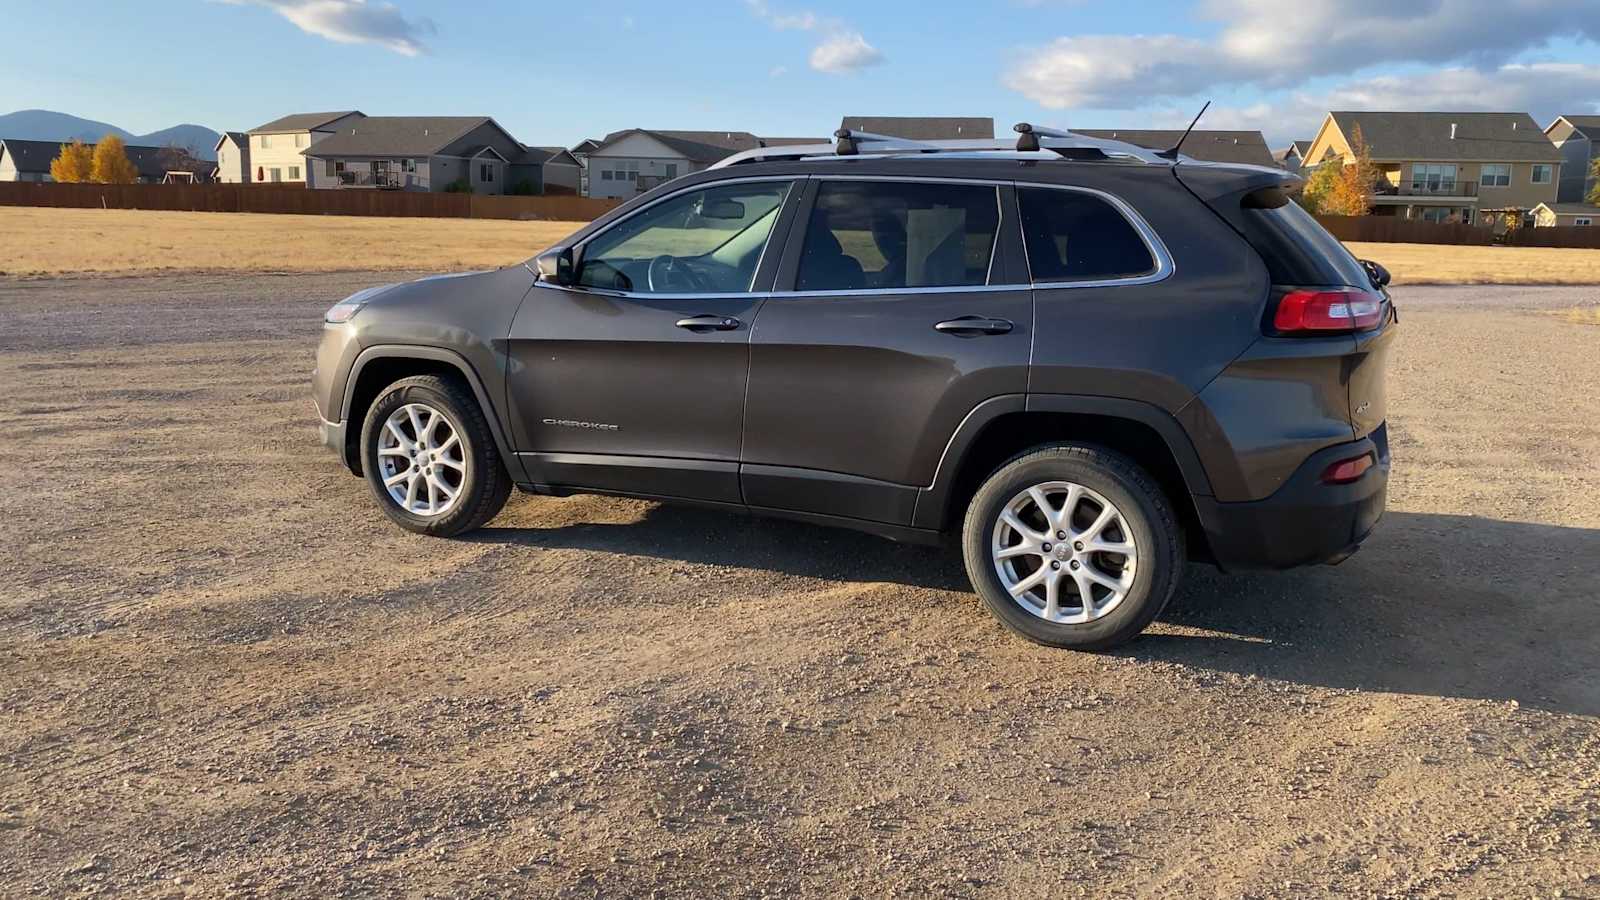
[866, 235]
[1077, 236]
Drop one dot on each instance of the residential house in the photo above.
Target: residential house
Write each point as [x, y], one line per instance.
[1448, 166]
[628, 163]
[580, 152]
[277, 148]
[415, 153]
[1293, 158]
[546, 170]
[30, 161]
[923, 128]
[233, 158]
[1246, 147]
[1578, 139]
[1547, 215]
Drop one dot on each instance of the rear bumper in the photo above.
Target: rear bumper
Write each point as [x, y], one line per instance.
[1305, 522]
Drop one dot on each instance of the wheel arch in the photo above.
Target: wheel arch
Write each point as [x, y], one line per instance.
[381, 365]
[1003, 427]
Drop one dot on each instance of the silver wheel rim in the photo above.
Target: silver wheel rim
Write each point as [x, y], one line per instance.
[1064, 553]
[421, 460]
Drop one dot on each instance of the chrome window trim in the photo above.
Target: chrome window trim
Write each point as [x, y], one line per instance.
[1165, 265]
[791, 180]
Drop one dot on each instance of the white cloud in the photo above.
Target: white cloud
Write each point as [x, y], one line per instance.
[1265, 44]
[1544, 89]
[842, 50]
[353, 22]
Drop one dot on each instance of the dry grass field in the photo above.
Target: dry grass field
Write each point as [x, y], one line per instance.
[55, 241]
[69, 241]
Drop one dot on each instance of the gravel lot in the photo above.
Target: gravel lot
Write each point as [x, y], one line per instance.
[222, 672]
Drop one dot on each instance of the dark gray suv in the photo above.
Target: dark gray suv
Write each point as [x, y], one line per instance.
[1086, 361]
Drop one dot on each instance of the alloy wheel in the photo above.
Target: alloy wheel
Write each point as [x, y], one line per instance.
[1064, 553]
[421, 460]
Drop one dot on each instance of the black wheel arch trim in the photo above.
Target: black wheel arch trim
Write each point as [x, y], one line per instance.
[491, 411]
[933, 502]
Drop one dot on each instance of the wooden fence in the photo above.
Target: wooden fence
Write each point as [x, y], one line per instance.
[300, 201]
[1570, 236]
[1395, 230]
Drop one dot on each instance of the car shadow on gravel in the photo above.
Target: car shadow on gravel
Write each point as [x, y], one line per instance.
[1448, 606]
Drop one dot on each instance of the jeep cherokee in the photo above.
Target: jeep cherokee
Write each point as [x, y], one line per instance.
[1086, 361]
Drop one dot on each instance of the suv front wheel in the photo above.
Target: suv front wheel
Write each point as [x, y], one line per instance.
[1073, 546]
[430, 459]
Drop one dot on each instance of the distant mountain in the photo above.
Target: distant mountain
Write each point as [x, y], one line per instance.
[44, 125]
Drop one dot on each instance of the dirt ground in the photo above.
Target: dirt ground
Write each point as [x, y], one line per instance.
[40, 242]
[223, 673]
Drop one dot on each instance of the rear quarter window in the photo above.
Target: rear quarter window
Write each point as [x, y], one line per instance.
[1296, 248]
[1077, 236]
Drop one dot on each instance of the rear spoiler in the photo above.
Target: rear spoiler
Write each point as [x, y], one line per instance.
[1212, 182]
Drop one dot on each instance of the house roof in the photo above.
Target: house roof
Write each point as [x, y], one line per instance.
[315, 121]
[1589, 125]
[397, 136]
[240, 139]
[1484, 137]
[34, 157]
[553, 155]
[1211, 146]
[923, 128]
[1572, 209]
[695, 146]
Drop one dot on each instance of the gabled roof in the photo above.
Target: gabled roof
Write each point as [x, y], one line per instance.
[923, 128]
[1589, 125]
[397, 136]
[695, 146]
[1247, 147]
[34, 157]
[303, 122]
[239, 138]
[538, 156]
[1479, 136]
[1572, 209]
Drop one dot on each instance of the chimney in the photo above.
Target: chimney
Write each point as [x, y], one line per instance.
[1452, 131]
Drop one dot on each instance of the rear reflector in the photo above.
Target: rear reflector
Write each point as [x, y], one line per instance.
[1347, 470]
[1313, 311]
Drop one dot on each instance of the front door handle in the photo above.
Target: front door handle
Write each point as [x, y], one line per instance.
[974, 325]
[709, 323]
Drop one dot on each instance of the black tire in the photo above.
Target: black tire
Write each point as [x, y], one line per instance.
[1145, 509]
[485, 485]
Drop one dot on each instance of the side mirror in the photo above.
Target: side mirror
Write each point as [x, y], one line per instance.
[1379, 275]
[555, 266]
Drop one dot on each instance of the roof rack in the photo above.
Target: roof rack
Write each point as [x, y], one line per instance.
[1032, 142]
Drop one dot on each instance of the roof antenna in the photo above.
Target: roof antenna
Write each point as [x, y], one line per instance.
[1172, 154]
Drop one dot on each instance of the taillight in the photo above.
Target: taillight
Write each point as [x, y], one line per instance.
[1340, 310]
[1347, 470]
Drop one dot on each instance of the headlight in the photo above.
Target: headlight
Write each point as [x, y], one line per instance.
[343, 311]
[346, 309]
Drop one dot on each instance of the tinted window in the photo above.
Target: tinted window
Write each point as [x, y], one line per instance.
[700, 242]
[1073, 236]
[1296, 248]
[865, 235]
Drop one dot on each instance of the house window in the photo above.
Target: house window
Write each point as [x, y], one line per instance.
[275, 174]
[330, 168]
[485, 172]
[1495, 175]
[266, 141]
[672, 170]
[408, 165]
[1543, 174]
[1433, 178]
[1583, 221]
[299, 140]
[294, 173]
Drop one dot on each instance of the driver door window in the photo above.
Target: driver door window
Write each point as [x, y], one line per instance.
[701, 242]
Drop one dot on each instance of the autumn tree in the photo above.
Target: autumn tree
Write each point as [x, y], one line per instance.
[1594, 192]
[1352, 191]
[74, 164]
[1317, 195]
[111, 163]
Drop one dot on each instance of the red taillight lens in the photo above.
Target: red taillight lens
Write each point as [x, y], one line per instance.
[1347, 470]
[1312, 311]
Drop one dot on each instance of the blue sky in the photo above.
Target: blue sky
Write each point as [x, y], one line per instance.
[559, 72]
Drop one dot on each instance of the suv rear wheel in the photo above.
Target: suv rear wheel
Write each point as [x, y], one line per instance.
[1073, 546]
[430, 459]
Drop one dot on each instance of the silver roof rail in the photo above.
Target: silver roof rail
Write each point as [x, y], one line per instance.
[1032, 143]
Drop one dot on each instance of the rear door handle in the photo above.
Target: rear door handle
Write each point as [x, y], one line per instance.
[709, 323]
[973, 325]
